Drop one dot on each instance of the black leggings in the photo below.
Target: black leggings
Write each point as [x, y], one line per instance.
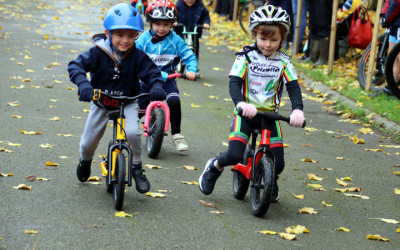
[241, 129]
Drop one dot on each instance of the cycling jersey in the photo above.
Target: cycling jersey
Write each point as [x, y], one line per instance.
[263, 77]
[167, 52]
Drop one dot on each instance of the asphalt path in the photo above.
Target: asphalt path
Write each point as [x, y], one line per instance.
[39, 38]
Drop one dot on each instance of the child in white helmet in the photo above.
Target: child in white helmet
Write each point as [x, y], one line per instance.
[257, 78]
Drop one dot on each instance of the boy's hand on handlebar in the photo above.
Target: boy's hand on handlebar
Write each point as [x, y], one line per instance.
[157, 93]
[249, 110]
[191, 76]
[297, 118]
[206, 26]
[85, 92]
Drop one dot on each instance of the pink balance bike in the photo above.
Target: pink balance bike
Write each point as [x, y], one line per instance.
[156, 123]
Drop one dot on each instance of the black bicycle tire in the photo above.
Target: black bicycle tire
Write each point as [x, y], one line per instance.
[240, 183]
[393, 85]
[119, 186]
[180, 68]
[364, 60]
[109, 185]
[262, 185]
[244, 23]
[155, 135]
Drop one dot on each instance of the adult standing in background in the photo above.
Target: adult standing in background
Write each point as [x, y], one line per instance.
[320, 17]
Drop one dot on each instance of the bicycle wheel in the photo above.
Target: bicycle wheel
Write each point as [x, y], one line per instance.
[240, 182]
[393, 84]
[245, 13]
[378, 79]
[155, 135]
[119, 186]
[109, 185]
[262, 184]
[180, 68]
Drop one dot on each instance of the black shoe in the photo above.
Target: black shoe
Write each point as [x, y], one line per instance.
[209, 177]
[274, 193]
[83, 170]
[142, 184]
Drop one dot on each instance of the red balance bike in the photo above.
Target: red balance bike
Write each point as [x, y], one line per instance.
[156, 123]
[257, 168]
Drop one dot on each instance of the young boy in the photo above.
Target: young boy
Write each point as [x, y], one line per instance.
[166, 48]
[192, 13]
[256, 83]
[115, 66]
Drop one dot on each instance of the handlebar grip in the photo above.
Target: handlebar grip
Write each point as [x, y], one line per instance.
[96, 94]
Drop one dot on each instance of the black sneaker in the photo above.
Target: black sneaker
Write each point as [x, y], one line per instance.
[142, 184]
[83, 170]
[274, 193]
[209, 177]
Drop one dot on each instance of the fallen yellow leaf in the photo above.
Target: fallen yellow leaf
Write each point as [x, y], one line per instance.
[190, 182]
[397, 191]
[23, 187]
[216, 212]
[30, 132]
[208, 204]
[326, 204]
[308, 210]
[217, 69]
[342, 183]
[314, 177]
[207, 84]
[94, 178]
[190, 168]
[155, 195]
[390, 221]
[195, 106]
[376, 237]
[31, 231]
[301, 196]
[287, 236]
[268, 232]
[357, 196]
[5, 175]
[297, 229]
[342, 229]
[49, 163]
[55, 118]
[150, 166]
[122, 214]
[309, 160]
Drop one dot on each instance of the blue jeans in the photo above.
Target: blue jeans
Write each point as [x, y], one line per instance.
[303, 20]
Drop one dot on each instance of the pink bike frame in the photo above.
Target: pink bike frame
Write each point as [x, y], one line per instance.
[155, 105]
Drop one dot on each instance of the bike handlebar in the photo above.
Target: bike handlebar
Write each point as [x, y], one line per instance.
[98, 92]
[180, 75]
[272, 116]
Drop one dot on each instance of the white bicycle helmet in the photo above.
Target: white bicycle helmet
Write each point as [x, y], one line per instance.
[269, 14]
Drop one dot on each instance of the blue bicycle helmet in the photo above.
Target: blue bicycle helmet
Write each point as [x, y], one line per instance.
[123, 16]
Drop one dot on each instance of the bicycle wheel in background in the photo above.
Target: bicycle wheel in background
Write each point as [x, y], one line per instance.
[240, 183]
[262, 185]
[245, 13]
[378, 79]
[393, 84]
[155, 135]
[119, 186]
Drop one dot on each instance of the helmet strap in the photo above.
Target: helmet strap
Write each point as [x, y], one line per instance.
[156, 38]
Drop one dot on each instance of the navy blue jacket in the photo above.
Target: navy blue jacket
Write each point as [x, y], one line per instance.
[135, 65]
[190, 16]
